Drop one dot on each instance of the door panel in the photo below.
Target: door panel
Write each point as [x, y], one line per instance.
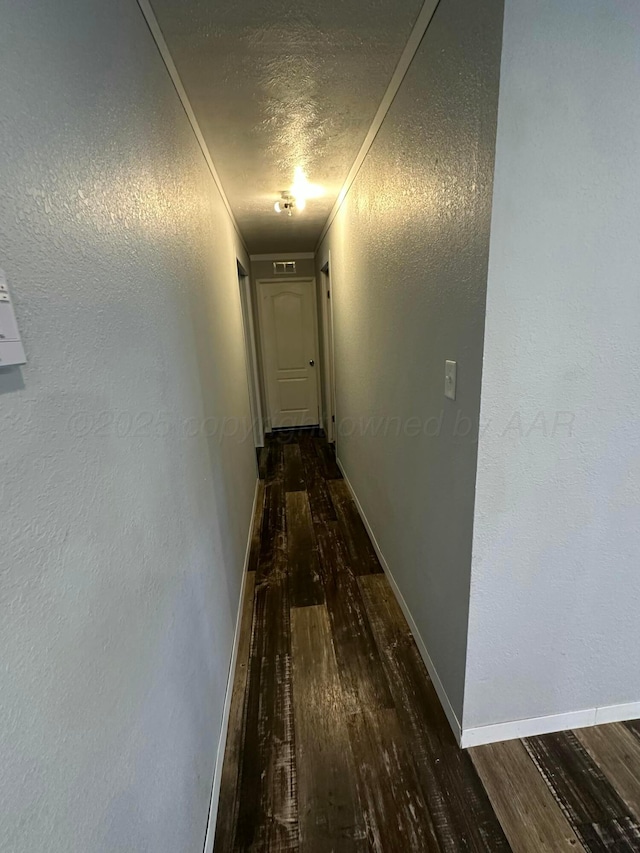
[293, 395]
[288, 315]
[288, 321]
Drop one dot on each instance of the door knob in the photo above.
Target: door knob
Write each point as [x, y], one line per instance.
[311, 362]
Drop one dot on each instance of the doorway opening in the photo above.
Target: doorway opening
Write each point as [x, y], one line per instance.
[329, 376]
[251, 356]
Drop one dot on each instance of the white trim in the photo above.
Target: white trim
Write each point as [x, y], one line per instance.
[251, 354]
[417, 33]
[156, 32]
[328, 367]
[527, 728]
[618, 713]
[426, 657]
[222, 742]
[285, 256]
[552, 723]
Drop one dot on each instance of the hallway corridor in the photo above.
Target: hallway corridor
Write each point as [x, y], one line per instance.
[232, 235]
[337, 741]
[337, 737]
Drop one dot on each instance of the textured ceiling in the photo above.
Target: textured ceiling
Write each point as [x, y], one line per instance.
[277, 84]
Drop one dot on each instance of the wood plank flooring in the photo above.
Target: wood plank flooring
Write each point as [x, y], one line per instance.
[337, 742]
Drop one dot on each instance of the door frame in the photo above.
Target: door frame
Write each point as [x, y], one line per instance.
[251, 355]
[306, 279]
[329, 366]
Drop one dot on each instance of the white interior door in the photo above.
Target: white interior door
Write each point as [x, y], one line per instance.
[289, 348]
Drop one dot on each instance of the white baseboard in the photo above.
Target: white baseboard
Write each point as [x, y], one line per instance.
[426, 657]
[527, 728]
[545, 725]
[553, 723]
[618, 713]
[217, 775]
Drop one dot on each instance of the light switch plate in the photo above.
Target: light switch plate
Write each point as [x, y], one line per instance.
[450, 370]
[11, 350]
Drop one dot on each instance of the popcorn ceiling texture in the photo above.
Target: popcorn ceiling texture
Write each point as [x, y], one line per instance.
[279, 84]
[125, 505]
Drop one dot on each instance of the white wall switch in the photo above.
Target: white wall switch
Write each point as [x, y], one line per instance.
[11, 350]
[450, 369]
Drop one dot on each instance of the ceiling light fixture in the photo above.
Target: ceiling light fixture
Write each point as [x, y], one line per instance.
[286, 204]
[302, 190]
[298, 195]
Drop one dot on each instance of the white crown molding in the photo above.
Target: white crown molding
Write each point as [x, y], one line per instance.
[285, 256]
[417, 33]
[156, 32]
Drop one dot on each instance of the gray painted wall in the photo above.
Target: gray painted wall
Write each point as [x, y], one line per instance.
[555, 582]
[409, 251]
[124, 517]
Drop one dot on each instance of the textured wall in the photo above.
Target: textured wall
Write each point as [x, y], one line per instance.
[409, 252]
[123, 522]
[556, 588]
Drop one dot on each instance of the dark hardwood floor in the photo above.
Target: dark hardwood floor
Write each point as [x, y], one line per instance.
[337, 741]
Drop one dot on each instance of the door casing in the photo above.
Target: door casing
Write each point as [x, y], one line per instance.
[251, 355]
[328, 366]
